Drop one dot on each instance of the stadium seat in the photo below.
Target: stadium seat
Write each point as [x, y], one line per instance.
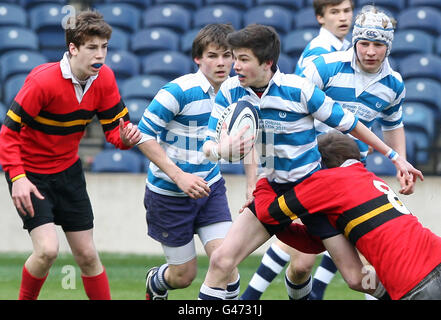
[15, 62]
[168, 16]
[275, 16]
[139, 4]
[124, 64]
[242, 4]
[189, 4]
[438, 46]
[146, 41]
[429, 3]
[121, 15]
[419, 117]
[421, 18]
[421, 66]
[295, 41]
[120, 40]
[12, 86]
[417, 147]
[46, 21]
[29, 4]
[168, 64]
[380, 165]
[289, 4]
[407, 42]
[136, 108]
[217, 14]
[393, 6]
[305, 19]
[286, 63]
[117, 161]
[12, 15]
[3, 111]
[187, 41]
[424, 90]
[17, 38]
[142, 87]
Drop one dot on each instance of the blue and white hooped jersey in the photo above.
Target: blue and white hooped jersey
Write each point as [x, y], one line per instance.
[325, 42]
[369, 96]
[287, 141]
[177, 118]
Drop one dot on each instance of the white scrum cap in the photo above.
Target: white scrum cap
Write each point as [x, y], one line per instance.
[373, 25]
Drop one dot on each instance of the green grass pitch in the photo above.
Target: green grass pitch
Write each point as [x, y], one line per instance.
[126, 274]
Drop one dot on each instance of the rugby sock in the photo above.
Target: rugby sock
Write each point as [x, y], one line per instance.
[272, 264]
[233, 290]
[208, 293]
[298, 291]
[322, 277]
[30, 286]
[159, 284]
[97, 287]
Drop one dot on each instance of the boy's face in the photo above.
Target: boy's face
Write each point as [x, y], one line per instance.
[251, 73]
[370, 54]
[84, 59]
[215, 64]
[337, 19]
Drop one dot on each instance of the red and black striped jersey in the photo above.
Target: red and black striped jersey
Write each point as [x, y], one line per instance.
[45, 123]
[368, 212]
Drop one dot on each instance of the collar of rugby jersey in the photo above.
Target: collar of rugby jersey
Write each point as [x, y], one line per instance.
[349, 162]
[67, 74]
[205, 84]
[333, 40]
[362, 79]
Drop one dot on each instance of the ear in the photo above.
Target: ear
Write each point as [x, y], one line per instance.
[73, 50]
[197, 60]
[268, 64]
[320, 19]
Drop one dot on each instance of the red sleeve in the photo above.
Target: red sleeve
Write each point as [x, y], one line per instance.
[111, 108]
[297, 237]
[25, 106]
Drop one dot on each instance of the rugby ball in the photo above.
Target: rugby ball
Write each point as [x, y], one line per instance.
[237, 115]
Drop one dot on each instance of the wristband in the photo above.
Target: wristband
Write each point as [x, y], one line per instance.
[392, 155]
[18, 177]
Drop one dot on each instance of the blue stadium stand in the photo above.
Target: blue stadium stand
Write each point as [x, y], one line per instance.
[288, 4]
[295, 41]
[417, 116]
[118, 161]
[136, 108]
[241, 4]
[29, 4]
[124, 64]
[168, 16]
[305, 19]
[11, 87]
[393, 6]
[120, 40]
[430, 3]
[275, 16]
[142, 87]
[17, 38]
[438, 46]
[139, 4]
[146, 41]
[421, 66]
[417, 147]
[167, 64]
[3, 112]
[188, 4]
[286, 63]
[20, 61]
[380, 165]
[187, 41]
[12, 15]
[426, 91]
[122, 15]
[407, 42]
[217, 14]
[421, 18]
[46, 21]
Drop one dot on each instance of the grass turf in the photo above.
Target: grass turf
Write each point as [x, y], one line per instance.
[126, 274]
